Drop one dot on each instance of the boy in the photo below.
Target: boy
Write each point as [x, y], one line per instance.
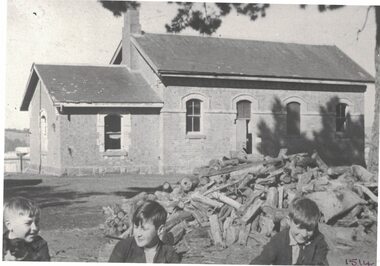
[145, 246]
[302, 243]
[21, 240]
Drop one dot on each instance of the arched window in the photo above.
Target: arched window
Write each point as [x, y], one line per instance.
[293, 118]
[193, 115]
[341, 117]
[112, 132]
[44, 132]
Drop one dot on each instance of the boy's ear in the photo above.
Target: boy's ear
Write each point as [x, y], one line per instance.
[8, 224]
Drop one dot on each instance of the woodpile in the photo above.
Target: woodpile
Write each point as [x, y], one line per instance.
[237, 200]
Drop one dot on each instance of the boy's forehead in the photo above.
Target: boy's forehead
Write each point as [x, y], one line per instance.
[22, 215]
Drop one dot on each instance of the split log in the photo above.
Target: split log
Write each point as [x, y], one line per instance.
[226, 224]
[244, 233]
[280, 196]
[239, 170]
[225, 212]
[252, 210]
[274, 213]
[256, 194]
[362, 174]
[177, 218]
[198, 216]
[282, 153]
[232, 234]
[230, 162]
[223, 198]
[176, 233]
[368, 192]
[338, 170]
[304, 179]
[189, 183]
[215, 231]
[205, 200]
[332, 203]
[246, 180]
[321, 164]
[166, 187]
[272, 197]
[221, 187]
[162, 196]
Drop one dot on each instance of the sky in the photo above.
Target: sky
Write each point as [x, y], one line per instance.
[83, 32]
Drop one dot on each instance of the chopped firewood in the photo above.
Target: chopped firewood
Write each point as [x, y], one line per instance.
[244, 233]
[178, 217]
[215, 231]
[274, 213]
[176, 233]
[368, 192]
[321, 164]
[229, 162]
[272, 197]
[304, 179]
[223, 198]
[337, 170]
[334, 202]
[280, 196]
[166, 187]
[232, 234]
[162, 196]
[252, 210]
[205, 200]
[362, 174]
[189, 183]
[246, 180]
[225, 212]
[217, 188]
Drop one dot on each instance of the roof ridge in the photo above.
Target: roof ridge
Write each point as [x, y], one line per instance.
[77, 64]
[229, 39]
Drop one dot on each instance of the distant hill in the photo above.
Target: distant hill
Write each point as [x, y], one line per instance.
[15, 138]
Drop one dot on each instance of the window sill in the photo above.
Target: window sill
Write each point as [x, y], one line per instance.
[115, 153]
[195, 136]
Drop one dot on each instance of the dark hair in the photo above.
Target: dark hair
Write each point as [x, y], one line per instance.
[305, 213]
[150, 211]
[21, 206]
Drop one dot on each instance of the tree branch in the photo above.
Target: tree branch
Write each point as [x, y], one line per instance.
[364, 24]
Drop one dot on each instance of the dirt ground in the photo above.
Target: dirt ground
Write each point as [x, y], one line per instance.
[72, 217]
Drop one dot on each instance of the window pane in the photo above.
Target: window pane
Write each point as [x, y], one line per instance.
[340, 119]
[244, 109]
[189, 107]
[197, 107]
[196, 124]
[189, 127]
[293, 118]
[112, 134]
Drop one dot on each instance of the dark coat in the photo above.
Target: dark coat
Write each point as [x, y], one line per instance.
[279, 252]
[126, 250]
[34, 251]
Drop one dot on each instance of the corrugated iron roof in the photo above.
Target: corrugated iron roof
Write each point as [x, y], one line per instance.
[220, 56]
[95, 84]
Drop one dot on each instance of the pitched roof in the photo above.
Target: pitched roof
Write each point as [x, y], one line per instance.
[220, 56]
[90, 84]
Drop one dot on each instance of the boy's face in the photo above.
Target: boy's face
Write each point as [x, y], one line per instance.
[23, 227]
[146, 234]
[300, 235]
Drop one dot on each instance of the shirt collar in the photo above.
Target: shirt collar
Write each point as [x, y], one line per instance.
[293, 242]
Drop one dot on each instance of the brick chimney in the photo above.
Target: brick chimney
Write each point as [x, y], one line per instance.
[131, 26]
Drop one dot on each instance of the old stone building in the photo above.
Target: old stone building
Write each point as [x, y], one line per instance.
[169, 103]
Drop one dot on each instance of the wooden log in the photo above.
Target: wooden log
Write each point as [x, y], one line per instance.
[304, 179]
[162, 196]
[332, 203]
[256, 194]
[177, 218]
[275, 214]
[232, 235]
[362, 174]
[186, 184]
[246, 180]
[280, 196]
[226, 224]
[244, 233]
[368, 192]
[217, 188]
[196, 196]
[233, 162]
[272, 197]
[166, 187]
[239, 170]
[321, 164]
[252, 210]
[226, 213]
[175, 234]
[215, 231]
[338, 170]
[223, 198]
[282, 153]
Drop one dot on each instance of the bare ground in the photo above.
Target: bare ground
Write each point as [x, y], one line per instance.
[72, 215]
